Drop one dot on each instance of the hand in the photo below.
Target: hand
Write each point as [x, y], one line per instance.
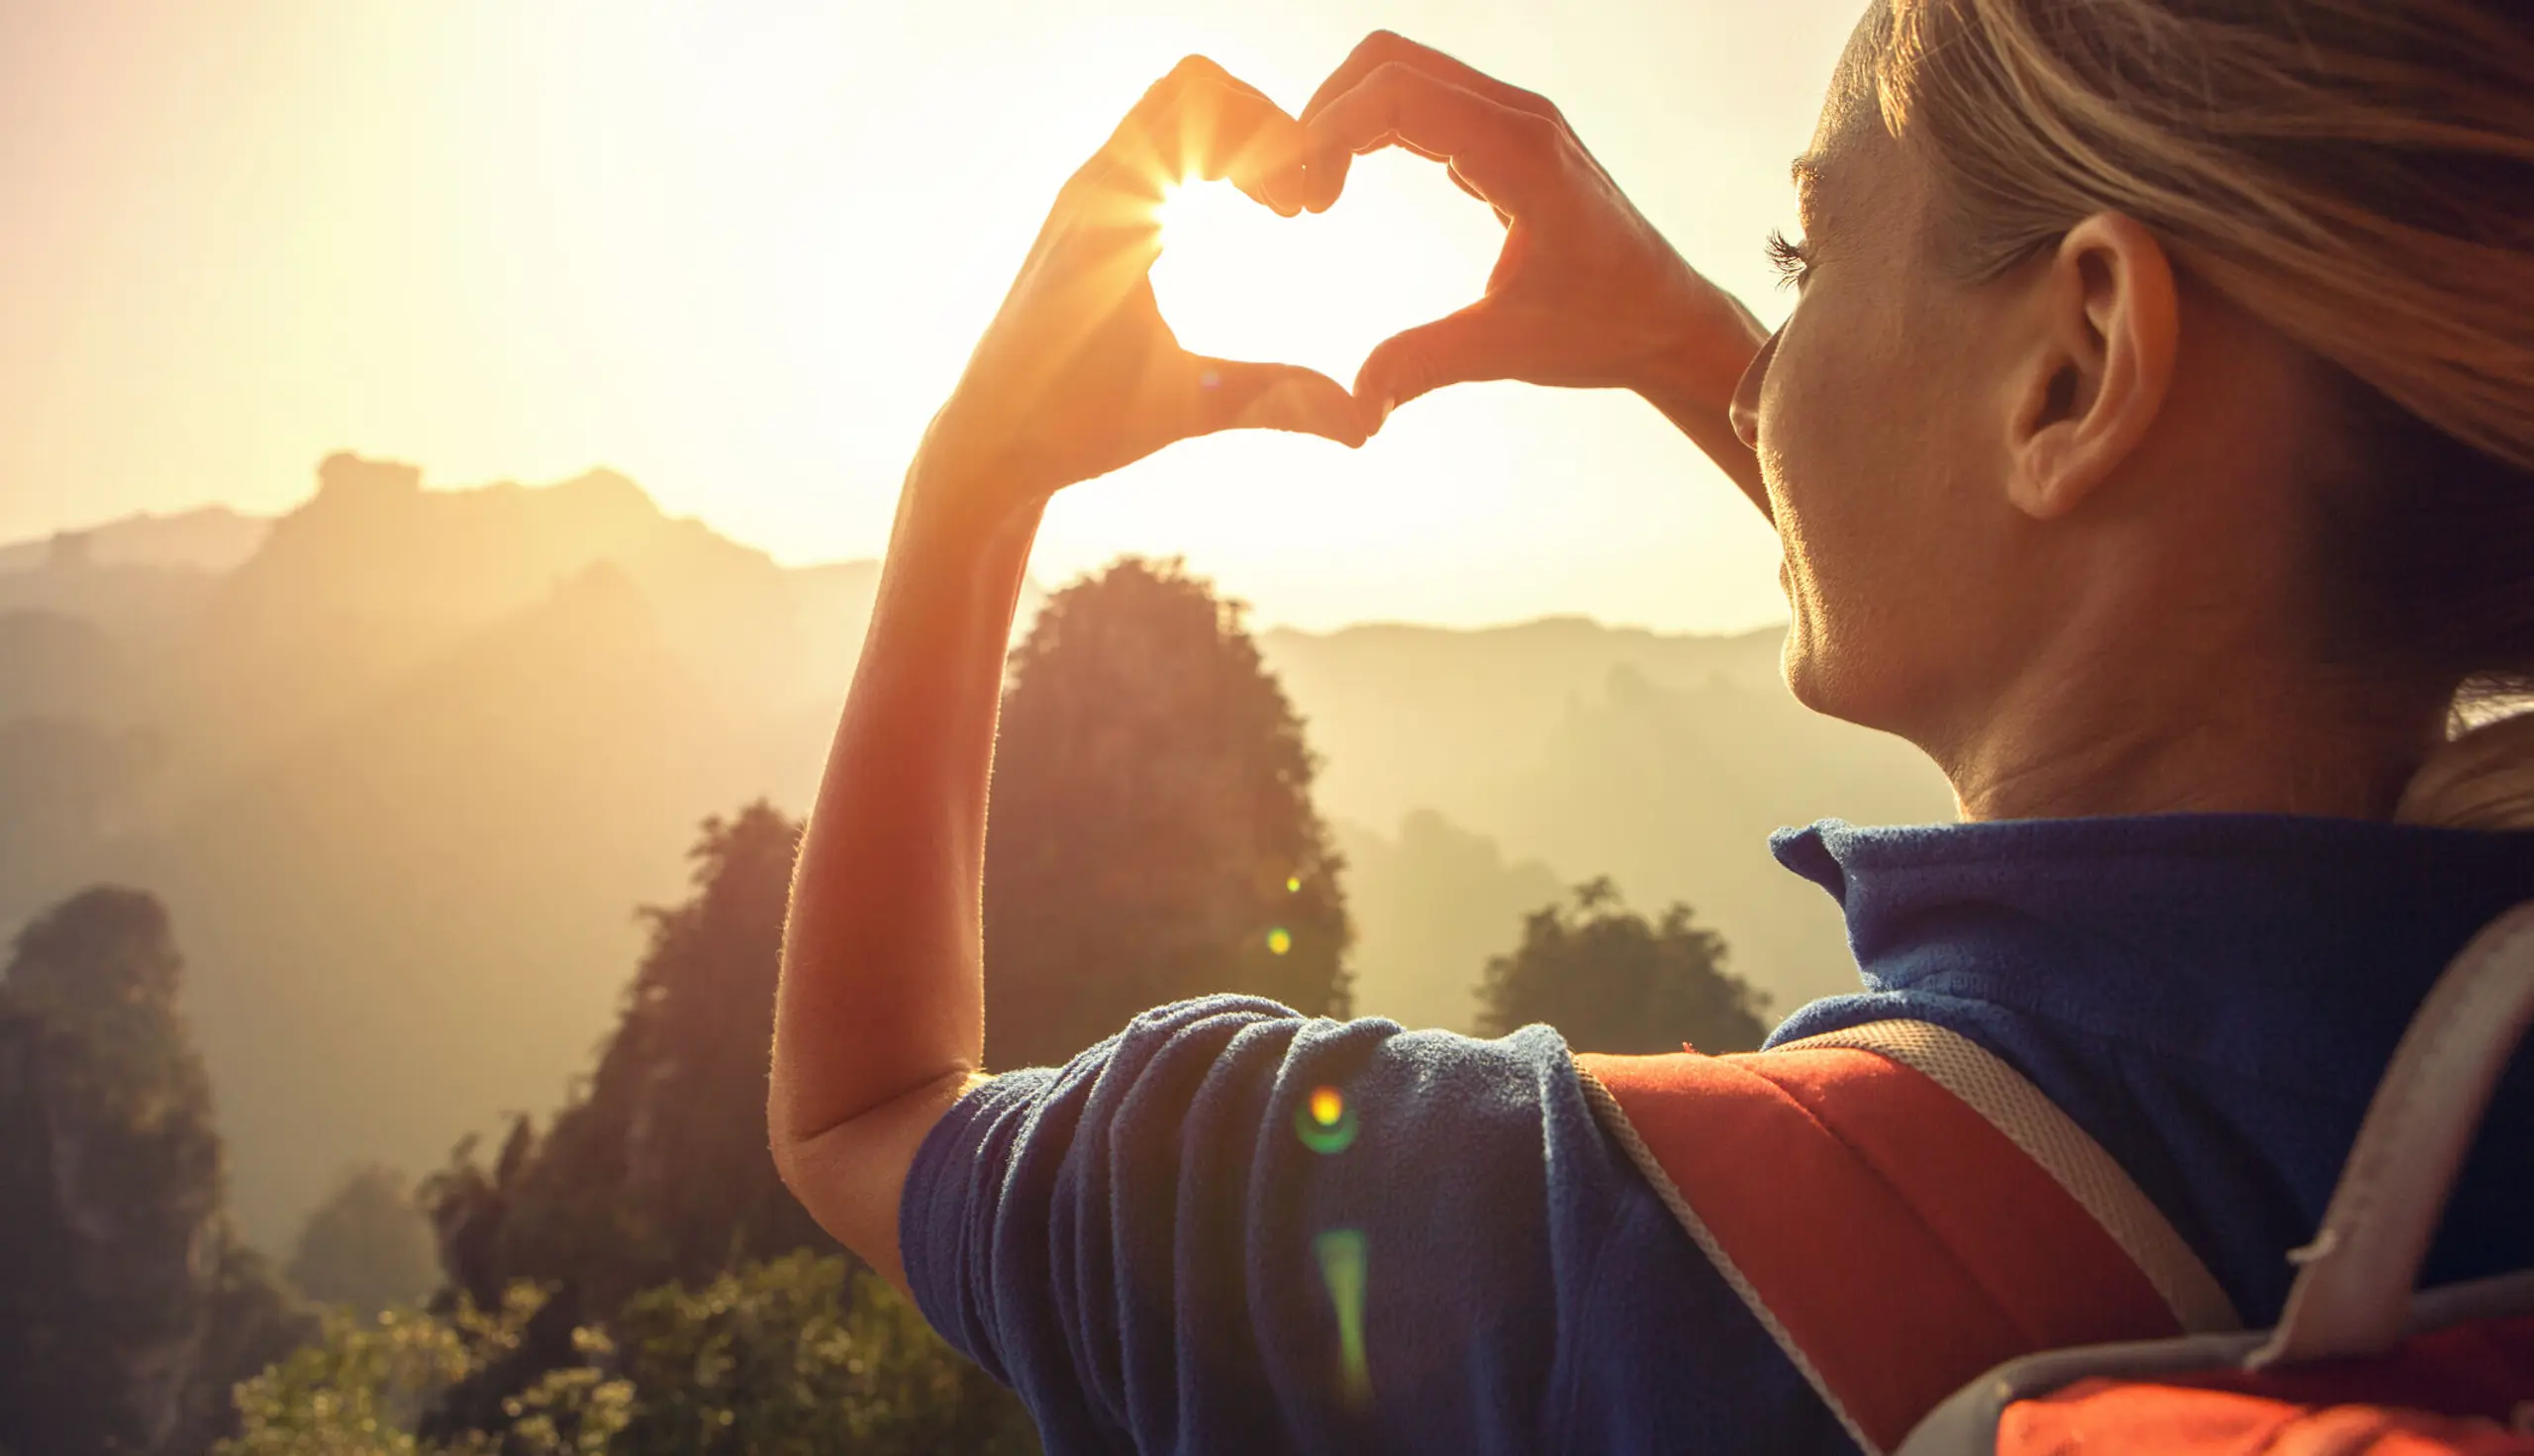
[1078, 374]
[1586, 293]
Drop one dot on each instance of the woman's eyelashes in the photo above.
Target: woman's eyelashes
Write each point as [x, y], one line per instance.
[1790, 259]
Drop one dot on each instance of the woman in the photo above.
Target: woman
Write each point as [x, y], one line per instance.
[2152, 443]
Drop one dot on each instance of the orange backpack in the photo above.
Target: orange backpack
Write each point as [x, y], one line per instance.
[1955, 1267]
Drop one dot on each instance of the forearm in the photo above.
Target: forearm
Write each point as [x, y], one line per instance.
[1693, 385]
[881, 995]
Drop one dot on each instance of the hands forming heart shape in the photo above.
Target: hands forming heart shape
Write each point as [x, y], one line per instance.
[1237, 280]
[1079, 376]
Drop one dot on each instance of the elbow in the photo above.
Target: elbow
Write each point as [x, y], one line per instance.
[851, 1175]
[787, 1150]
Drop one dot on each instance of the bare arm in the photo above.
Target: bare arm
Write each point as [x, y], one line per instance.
[879, 1021]
[1694, 392]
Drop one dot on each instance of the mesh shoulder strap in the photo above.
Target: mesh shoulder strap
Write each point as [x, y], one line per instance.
[1900, 1211]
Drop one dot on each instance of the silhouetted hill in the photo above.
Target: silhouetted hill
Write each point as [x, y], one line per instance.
[419, 916]
[56, 665]
[406, 772]
[413, 766]
[141, 578]
[207, 539]
[1431, 903]
[1663, 760]
[832, 605]
[139, 604]
[1673, 790]
[1409, 716]
[374, 575]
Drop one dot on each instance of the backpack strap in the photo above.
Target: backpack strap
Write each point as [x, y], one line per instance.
[2354, 1341]
[2353, 1296]
[1983, 1082]
[1900, 1211]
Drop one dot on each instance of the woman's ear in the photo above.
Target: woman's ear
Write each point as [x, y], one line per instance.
[2091, 385]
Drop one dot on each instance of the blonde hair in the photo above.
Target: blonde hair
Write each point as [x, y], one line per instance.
[2360, 175]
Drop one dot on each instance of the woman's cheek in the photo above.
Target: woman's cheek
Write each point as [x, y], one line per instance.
[1814, 483]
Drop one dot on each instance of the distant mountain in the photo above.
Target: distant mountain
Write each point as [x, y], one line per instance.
[1431, 903]
[403, 774]
[421, 914]
[212, 538]
[374, 575]
[1663, 760]
[832, 605]
[54, 664]
[1410, 717]
[136, 603]
[140, 578]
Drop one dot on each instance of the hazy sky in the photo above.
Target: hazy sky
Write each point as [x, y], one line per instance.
[739, 252]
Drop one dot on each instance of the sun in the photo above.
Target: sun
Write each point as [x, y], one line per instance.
[1232, 273]
[1401, 246]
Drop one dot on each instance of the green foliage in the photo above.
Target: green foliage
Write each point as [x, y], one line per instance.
[652, 1187]
[799, 1356]
[1152, 834]
[364, 1386]
[1610, 980]
[803, 1356]
[368, 1246]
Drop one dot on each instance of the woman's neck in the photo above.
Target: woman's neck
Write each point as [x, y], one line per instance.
[2224, 734]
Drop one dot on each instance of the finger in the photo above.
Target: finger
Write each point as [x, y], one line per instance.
[1231, 131]
[1317, 183]
[1386, 47]
[1320, 181]
[1199, 122]
[1503, 218]
[1472, 344]
[1499, 152]
[1237, 394]
[1269, 162]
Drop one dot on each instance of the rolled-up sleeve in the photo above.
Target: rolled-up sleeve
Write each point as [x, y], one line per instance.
[1233, 1228]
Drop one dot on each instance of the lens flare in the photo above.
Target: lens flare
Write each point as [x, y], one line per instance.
[1293, 884]
[1280, 940]
[1325, 1122]
[1343, 1267]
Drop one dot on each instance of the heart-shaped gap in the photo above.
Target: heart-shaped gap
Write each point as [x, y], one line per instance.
[1400, 247]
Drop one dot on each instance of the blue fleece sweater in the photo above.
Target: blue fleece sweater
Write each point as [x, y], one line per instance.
[1145, 1245]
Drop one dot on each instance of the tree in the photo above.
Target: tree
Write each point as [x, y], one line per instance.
[799, 1356]
[656, 1175]
[656, 1170]
[1152, 835]
[128, 1306]
[368, 1246]
[364, 1386]
[1612, 981]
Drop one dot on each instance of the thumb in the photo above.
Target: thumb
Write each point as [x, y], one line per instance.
[1238, 394]
[1457, 348]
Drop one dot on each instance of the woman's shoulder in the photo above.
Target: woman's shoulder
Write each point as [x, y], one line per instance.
[1230, 1175]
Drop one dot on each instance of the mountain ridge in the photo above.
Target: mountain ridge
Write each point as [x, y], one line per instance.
[403, 772]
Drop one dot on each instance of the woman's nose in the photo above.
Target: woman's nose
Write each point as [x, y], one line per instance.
[1745, 410]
